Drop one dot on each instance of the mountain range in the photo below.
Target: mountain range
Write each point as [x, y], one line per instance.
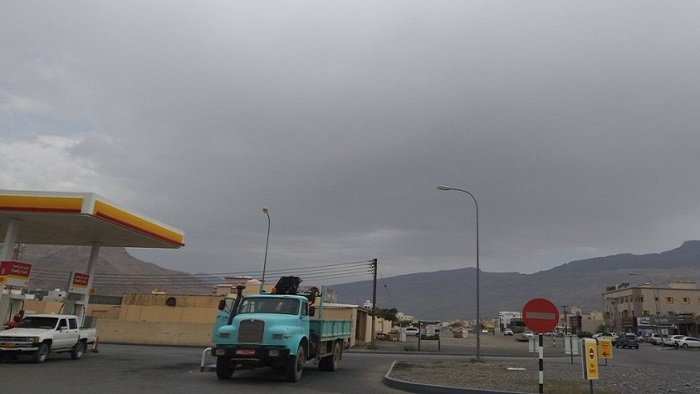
[438, 295]
[451, 294]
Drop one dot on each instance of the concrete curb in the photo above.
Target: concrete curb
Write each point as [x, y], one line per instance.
[413, 387]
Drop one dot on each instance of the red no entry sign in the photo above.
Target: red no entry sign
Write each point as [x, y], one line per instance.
[540, 315]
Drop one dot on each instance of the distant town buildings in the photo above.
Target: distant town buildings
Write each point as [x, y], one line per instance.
[673, 309]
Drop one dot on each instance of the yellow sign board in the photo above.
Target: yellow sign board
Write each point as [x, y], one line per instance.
[590, 359]
[605, 348]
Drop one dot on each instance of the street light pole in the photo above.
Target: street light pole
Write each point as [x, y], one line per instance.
[267, 241]
[478, 319]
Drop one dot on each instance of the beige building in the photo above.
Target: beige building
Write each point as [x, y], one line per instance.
[674, 309]
[183, 319]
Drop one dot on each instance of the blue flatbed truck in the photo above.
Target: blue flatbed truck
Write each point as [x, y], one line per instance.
[277, 331]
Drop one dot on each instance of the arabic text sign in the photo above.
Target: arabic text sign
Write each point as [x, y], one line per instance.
[14, 273]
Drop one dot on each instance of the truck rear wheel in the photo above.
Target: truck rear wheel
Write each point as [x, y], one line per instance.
[41, 354]
[331, 362]
[224, 368]
[77, 351]
[295, 365]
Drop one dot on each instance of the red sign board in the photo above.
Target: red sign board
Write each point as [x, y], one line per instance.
[79, 282]
[540, 315]
[14, 273]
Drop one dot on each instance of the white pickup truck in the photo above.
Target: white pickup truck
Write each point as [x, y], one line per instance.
[37, 335]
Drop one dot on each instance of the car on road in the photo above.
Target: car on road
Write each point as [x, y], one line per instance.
[528, 334]
[412, 331]
[584, 334]
[508, 331]
[672, 340]
[606, 335]
[689, 342]
[628, 340]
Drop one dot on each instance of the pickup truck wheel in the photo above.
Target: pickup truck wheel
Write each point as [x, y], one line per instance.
[295, 365]
[224, 368]
[41, 354]
[331, 362]
[77, 351]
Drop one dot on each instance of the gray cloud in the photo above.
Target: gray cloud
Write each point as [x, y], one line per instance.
[573, 124]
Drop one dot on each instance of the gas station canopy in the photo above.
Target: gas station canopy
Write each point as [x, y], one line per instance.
[58, 218]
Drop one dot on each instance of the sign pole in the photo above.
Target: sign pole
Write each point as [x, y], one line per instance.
[541, 316]
[541, 357]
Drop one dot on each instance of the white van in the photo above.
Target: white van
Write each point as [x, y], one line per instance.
[412, 332]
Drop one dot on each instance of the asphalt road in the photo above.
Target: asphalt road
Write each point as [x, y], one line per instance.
[163, 369]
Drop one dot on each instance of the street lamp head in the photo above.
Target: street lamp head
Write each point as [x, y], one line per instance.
[265, 210]
[443, 187]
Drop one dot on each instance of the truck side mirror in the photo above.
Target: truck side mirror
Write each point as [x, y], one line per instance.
[312, 310]
[222, 305]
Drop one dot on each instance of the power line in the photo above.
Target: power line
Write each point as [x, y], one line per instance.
[185, 280]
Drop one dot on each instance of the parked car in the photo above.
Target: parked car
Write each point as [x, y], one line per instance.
[412, 331]
[584, 334]
[689, 342]
[628, 340]
[508, 331]
[672, 340]
[528, 334]
[655, 339]
[606, 335]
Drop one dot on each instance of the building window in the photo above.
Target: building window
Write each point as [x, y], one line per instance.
[685, 300]
[669, 300]
[641, 299]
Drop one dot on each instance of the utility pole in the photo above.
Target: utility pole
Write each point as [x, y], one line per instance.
[566, 320]
[374, 303]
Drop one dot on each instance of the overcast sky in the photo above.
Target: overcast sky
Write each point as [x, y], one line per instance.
[574, 124]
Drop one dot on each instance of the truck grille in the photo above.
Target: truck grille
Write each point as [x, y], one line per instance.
[251, 331]
[13, 339]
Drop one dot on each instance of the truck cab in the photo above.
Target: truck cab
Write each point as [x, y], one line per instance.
[269, 322]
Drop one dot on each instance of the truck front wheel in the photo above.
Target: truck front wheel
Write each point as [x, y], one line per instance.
[295, 365]
[41, 354]
[224, 368]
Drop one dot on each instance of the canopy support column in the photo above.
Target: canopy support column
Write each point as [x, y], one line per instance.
[13, 226]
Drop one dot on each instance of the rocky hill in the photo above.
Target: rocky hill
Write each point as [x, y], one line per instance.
[116, 271]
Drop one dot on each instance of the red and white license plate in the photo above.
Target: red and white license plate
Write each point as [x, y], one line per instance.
[245, 352]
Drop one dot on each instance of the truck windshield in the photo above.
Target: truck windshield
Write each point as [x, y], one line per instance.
[269, 305]
[48, 323]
